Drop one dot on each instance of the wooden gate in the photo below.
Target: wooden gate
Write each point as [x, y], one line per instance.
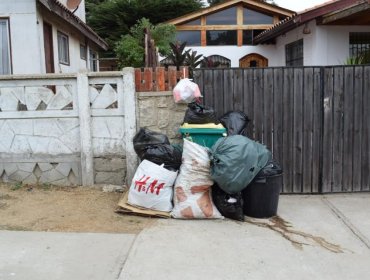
[315, 120]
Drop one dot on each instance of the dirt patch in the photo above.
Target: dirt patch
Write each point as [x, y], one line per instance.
[48, 208]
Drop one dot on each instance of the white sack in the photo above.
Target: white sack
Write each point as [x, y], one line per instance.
[192, 198]
[151, 187]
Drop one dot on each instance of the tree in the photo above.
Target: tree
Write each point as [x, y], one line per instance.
[214, 2]
[113, 19]
[130, 48]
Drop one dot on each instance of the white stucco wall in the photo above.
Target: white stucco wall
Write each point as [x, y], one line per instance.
[80, 12]
[25, 50]
[76, 64]
[27, 39]
[235, 53]
[325, 45]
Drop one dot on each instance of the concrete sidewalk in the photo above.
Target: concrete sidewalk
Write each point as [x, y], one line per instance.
[223, 249]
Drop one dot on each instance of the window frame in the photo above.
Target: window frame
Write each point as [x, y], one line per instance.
[63, 36]
[291, 61]
[356, 49]
[9, 45]
[93, 60]
[83, 55]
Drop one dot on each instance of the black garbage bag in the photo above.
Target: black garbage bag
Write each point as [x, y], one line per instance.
[165, 154]
[146, 137]
[271, 168]
[155, 147]
[230, 206]
[235, 123]
[199, 114]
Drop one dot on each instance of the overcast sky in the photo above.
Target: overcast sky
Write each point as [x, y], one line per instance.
[299, 5]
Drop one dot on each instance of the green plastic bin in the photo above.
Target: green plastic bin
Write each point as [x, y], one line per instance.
[205, 135]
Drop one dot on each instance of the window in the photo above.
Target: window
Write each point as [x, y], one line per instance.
[221, 37]
[193, 22]
[215, 61]
[63, 48]
[83, 52]
[294, 53]
[253, 17]
[5, 62]
[227, 16]
[248, 36]
[93, 61]
[192, 38]
[359, 42]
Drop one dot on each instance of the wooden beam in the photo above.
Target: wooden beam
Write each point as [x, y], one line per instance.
[224, 27]
[240, 38]
[227, 4]
[203, 38]
[239, 15]
[344, 13]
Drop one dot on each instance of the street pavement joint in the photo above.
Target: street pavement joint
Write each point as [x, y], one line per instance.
[347, 222]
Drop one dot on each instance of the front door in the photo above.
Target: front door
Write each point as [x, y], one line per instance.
[253, 60]
[48, 47]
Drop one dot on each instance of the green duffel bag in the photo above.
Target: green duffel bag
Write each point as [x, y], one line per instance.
[235, 161]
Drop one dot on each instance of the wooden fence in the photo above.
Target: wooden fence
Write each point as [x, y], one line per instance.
[315, 120]
[159, 78]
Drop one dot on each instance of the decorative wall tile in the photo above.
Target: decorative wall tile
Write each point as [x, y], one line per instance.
[106, 97]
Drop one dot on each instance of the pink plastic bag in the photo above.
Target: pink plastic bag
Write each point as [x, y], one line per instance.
[186, 91]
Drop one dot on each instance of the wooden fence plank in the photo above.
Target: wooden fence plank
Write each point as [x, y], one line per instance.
[307, 125]
[338, 130]
[365, 139]
[278, 144]
[268, 87]
[317, 121]
[218, 91]
[357, 126]
[288, 130]
[238, 90]
[208, 97]
[298, 132]
[248, 100]
[198, 79]
[159, 78]
[228, 90]
[172, 77]
[327, 143]
[348, 128]
[258, 105]
[148, 79]
[137, 79]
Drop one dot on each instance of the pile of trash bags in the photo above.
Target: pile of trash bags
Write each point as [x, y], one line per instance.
[194, 181]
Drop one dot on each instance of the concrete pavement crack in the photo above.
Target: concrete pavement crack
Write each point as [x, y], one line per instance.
[347, 222]
[122, 264]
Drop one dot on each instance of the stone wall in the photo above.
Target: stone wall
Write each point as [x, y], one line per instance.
[158, 112]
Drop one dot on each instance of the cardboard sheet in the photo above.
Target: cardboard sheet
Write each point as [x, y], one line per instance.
[125, 208]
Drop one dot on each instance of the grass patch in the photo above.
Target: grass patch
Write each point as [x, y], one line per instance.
[17, 186]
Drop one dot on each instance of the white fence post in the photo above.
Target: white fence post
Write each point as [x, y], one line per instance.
[129, 105]
[87, 157]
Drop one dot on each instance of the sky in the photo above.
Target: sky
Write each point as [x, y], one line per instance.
[299, 5]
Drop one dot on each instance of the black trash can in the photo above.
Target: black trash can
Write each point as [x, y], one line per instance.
[261, 196]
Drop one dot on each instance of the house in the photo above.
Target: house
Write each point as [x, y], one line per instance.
[224, 33]
[46, 36]
[327, 34]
